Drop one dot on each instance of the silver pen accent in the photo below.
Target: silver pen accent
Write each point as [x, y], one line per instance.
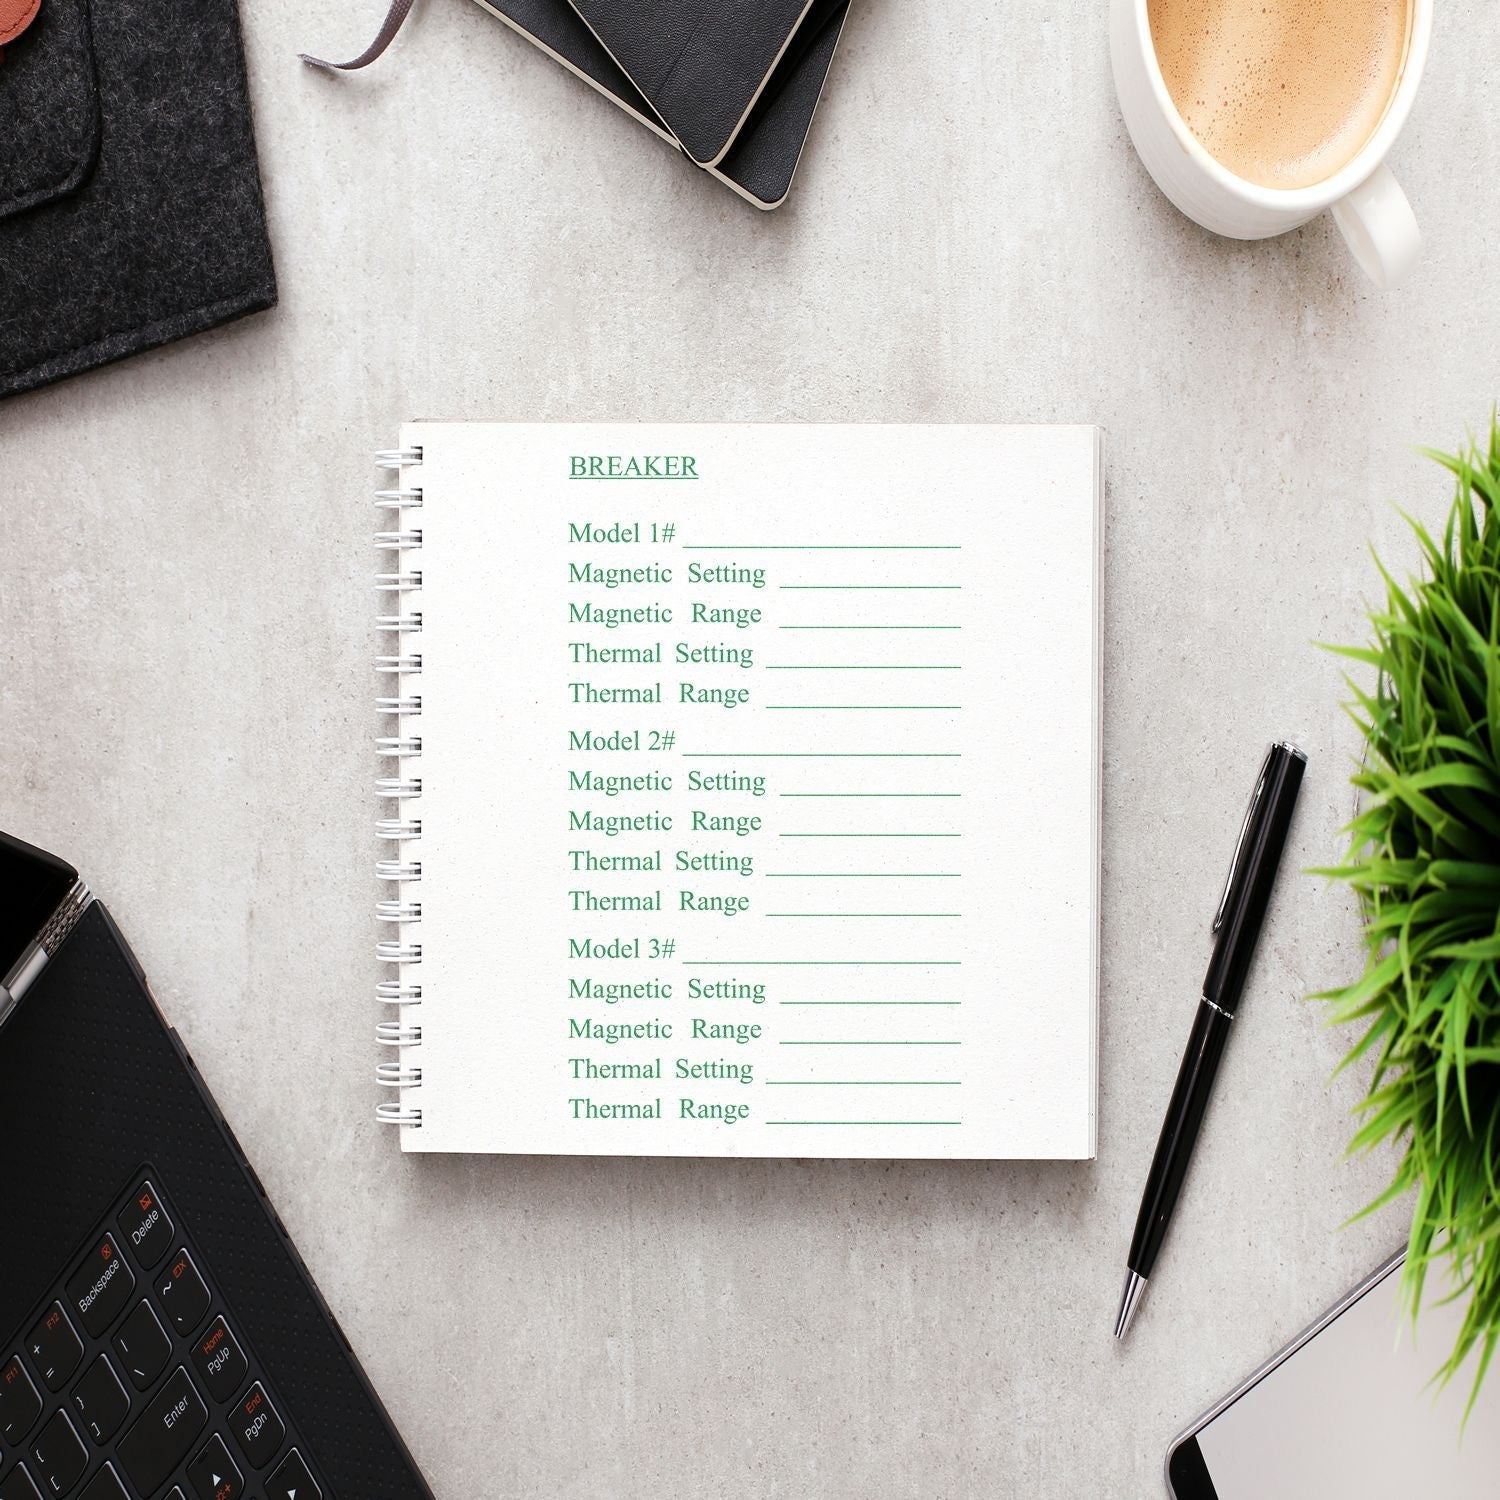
[1130, 1299]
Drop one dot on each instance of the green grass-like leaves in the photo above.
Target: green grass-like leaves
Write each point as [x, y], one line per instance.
[1424, 859]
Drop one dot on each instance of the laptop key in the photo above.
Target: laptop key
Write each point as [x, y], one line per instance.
[182, 1294]
[54, 1348]
[146, 1226]
[213, 1475]
[17, 1485]
[257, 1428]
[59, 1455]
[162, 1434]
[143, 1346]
[20, 1405]
[99, 1290]
[101, 1400]
[105, 1485]
[291, 1481]
[219, 1361]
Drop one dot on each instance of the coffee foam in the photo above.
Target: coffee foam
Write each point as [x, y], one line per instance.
[1281, 92]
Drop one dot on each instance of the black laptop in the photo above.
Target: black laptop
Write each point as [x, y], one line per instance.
[160, 1339]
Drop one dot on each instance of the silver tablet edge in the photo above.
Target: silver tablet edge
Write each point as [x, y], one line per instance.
[1312, 1330]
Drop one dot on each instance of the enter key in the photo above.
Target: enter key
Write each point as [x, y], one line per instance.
[159, 1441]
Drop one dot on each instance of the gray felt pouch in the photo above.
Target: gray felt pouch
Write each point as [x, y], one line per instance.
[49, 109]
[130, 201]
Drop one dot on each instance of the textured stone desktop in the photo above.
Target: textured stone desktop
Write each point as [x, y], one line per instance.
[465, 230]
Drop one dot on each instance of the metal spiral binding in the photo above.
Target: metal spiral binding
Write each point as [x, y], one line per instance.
[401, 620]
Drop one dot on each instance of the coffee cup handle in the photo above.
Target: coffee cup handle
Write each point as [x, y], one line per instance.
[1380, 228]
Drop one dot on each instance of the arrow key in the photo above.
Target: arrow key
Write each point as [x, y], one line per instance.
[213, 1475]
[292, 1481]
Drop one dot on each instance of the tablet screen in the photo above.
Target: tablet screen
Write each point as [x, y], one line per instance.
[1351, 1416]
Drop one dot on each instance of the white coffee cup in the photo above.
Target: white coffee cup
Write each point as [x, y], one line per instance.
[1367, 202]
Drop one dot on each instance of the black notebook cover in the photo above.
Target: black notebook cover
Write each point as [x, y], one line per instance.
[763, 160]
[701, 63]
[130, 203]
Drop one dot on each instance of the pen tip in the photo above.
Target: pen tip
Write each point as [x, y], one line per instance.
[1130, 1299]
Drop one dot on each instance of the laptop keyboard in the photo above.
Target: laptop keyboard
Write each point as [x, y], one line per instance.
[135, 1382]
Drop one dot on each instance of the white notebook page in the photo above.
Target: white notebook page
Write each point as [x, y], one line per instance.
[759, 790]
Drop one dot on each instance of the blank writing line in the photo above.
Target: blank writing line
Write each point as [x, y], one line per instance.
[864, 914]
[864, 1122]
[869, 1044]
[821, 963]
[821, 755]
[851, 667]
[869, 794]
[869, 1002]
[869, 627]
[869, 835]
[718, 548]
[864, 1083]
[870, 588]
[850, 708]
[850, 875]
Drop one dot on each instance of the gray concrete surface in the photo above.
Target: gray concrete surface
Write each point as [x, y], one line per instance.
[468, 232]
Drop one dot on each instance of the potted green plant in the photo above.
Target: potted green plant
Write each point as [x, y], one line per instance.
[1424, 861]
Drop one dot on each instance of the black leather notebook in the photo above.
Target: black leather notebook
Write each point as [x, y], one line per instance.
[762, 162]
[130, 202]
[701, 63]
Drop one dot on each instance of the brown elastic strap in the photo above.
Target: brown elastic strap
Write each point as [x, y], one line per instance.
[394, 20]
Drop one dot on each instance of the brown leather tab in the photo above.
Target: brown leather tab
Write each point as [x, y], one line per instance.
[15, 17]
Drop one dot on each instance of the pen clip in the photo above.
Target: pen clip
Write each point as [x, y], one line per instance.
[1239, 843]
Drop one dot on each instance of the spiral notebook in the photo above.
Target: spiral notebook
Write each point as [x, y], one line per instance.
[743, 788]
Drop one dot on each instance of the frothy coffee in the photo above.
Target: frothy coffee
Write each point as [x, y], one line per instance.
[1282, 92]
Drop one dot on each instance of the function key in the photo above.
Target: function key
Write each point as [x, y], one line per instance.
[213, 1475]
[162, 1434]
[145, 1226]
[219, 1361]
[182, 1293]
[291, 1481]
[59, 1455]
[257, 1428]
[54, 1348]
[17, 1485]
[100, 1288]
[105, 1485]
[101, 1400]
[20, 1405]
[143, 1346]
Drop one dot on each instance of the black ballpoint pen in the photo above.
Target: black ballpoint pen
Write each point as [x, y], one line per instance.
[1242, 909]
